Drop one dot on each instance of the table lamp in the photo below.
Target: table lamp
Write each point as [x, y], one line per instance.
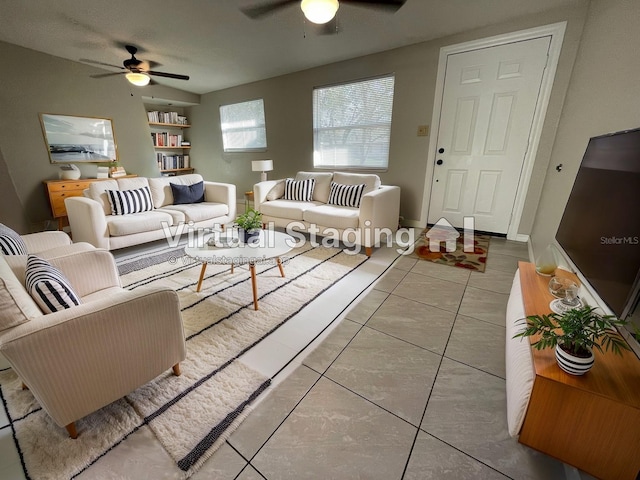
[263, 166]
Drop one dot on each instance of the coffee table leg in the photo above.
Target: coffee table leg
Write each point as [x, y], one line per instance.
[204, 268]
[254, 286]
[280, 267]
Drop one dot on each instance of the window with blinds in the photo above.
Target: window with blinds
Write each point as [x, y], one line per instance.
[352, 124]
[243, 126]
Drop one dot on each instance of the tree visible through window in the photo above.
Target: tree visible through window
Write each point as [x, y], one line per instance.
[352, 124]
[243, 126]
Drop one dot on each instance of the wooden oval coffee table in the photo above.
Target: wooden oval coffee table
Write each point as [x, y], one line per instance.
[230, 251]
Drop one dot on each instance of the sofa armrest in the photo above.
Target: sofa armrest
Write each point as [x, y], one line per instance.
[87, 221]
[260, 191]
[380, 209]
[221, 193]
[520, 371]
[89, 271]
[83, 358]
[41, 241]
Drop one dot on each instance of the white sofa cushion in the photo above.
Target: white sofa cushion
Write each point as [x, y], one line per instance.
[98, 191]
[161, 189]
[371, 180]
[277, 191]
[323, 184]
[132, 183]
[289, 209]
[198, 212]
[120, 225]
[16, 305]
[333, 216]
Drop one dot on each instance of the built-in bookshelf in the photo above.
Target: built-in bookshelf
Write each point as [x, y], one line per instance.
[172, 148]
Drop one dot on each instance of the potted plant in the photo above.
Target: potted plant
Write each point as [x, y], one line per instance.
[250, 224]
[575, 334]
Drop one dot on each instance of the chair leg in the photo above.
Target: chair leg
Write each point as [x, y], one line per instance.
[71, 428]
[176, 370]
[368, 251]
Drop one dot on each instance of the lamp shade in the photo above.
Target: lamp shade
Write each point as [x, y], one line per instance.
[138, 79]
[262, 165]
[319, 11]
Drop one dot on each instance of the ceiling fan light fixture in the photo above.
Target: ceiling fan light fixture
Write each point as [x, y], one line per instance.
[319, 11]
[138, 79]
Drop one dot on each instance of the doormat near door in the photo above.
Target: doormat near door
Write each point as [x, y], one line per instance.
[450, 249]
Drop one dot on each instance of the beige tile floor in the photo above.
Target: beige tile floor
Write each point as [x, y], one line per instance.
[407, 384]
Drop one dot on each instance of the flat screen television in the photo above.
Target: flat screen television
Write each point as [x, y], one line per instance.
[600, 227]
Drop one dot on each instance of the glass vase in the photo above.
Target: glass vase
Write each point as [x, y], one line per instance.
[547, 261]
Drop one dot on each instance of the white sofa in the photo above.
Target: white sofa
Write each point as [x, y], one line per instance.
[366, 225]
[91, 218]
[80, 359]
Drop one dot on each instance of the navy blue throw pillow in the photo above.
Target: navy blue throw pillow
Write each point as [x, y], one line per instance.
[183, 194]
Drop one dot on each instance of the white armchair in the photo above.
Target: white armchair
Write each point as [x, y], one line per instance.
[78, 360]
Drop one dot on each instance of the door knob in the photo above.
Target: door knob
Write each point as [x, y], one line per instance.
[441, 150]
[439, 162]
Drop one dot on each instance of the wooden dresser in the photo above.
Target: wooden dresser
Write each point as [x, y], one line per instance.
[58, 190]
[591, 422]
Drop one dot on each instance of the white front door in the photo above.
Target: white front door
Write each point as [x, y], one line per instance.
[488, 107]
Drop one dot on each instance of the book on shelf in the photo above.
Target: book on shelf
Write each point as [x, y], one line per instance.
[166, 117]
[172, 162]
[115, 172]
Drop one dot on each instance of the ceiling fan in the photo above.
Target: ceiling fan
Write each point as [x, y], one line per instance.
[136, 71]
[319, 11]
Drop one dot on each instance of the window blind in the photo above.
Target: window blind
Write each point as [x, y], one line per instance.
[352, 124]
[243, 126]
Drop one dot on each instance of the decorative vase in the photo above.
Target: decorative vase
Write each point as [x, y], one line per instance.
[250, 236]
[572, 364]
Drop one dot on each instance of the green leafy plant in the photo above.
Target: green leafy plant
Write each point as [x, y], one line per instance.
[250, 220]
[576, 331]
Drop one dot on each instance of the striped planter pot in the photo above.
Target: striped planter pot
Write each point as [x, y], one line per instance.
[571, 364]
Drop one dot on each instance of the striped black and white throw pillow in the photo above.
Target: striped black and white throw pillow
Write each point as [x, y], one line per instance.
[48, 286]
[301, 190]
[345, 195]
[10, 242]
[124, 202]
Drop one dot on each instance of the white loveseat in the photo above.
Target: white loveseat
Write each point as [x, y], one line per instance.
[91, 218]
[366, 225]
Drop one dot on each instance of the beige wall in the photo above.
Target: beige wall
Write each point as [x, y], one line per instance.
[33, 83]
[603, 97]
[288, 112]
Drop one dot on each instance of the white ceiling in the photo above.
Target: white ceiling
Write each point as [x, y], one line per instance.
[219, 47]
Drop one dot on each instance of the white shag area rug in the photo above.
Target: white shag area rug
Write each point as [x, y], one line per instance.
[191, 415]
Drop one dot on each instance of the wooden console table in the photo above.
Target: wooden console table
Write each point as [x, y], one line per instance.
[591, 422]
[58, 190]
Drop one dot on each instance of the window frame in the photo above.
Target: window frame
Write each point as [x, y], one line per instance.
[389, 124]
[263, 126]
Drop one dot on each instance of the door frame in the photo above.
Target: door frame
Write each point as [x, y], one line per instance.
[556, 32]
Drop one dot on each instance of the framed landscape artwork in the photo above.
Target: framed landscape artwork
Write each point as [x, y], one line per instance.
[72, 139]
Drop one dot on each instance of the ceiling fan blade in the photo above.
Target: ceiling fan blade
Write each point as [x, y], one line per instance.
[260, 11]
[86, 60]
[167, 75]
[389, 5]
[102, 75]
